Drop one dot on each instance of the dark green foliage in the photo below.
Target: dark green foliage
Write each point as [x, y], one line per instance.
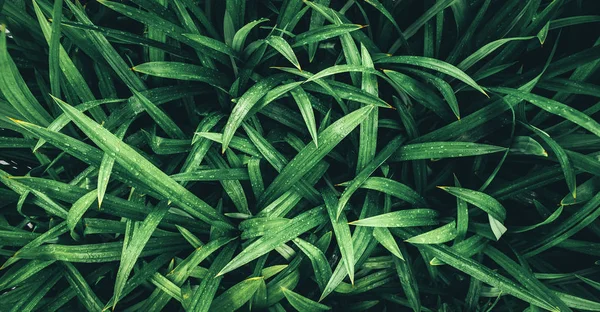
[281, 155]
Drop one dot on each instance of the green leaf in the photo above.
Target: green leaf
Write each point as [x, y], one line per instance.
[132, 249]
[585, 192]
[306, 109]
[556, 108]
[444, 88]
[161, 118]
[105, 49]
[274, 238]
[213, 44]
[235, 297]
[480, 272]
[15, 90]
[106, 167]
[368, 129]
[466, 248]
[543, 33]
[324, 33]
[245, 104]
[440, 235]
[420, 92]
[548, 220]
[284, 48]
[255, 176]
[497, 227]
[363, 175]
[391, 187]
[137, 164]
[302, 303]
[385, 238]
[577, 302]
[85, 294]
[318, 260]
[308, 157]
[401, 218]
[213, 175]
[79, 208]
[408, 280]
[562, 157]
[484, 201]
[341, 231]
[573, 224]
[433, 64]
[316, 21]
[437, 150]
[487, 50]
[184, 71]
[240, 36]
[202, 297]
[527, 146]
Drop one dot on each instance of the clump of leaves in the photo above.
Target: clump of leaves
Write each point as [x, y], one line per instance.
[309, 155]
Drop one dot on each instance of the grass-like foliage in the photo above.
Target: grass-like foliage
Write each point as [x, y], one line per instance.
[280, 155]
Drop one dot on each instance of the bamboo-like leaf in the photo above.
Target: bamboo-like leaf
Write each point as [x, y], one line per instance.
[402, 218]
[162, 119]
[213, 44]
[213, 175]
[585, 192]
[306, 159]
[318, 260]
[245, 104]
[54, 49]
[107, 51]
[440, 235]
[202, 298]
[543, 33]
[497, 227]
[556, 108]
[324, 33]
[284, 48]
[444, 88]
[106, 167]
[303, 102]
[302, 303]
[391, 187]
[437, 150]
[408, 280]
[482, 273]
[484, 201]
[136, 163]
[562, 157]
[385, 238]
[15, 90]
[324, 199]
[548, 220]
[236, 296]
[274, 238]
[420, 92]
[133, 249]
[183, 71]
[240, 36]
[86, 296]
[486, 50]
[363, 175]
[368, 129]
[341, 231]
[79, 208]
[466, 248]
[433, 64]
[527, 146]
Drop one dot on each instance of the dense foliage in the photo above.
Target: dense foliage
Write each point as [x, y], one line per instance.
[198, 155]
